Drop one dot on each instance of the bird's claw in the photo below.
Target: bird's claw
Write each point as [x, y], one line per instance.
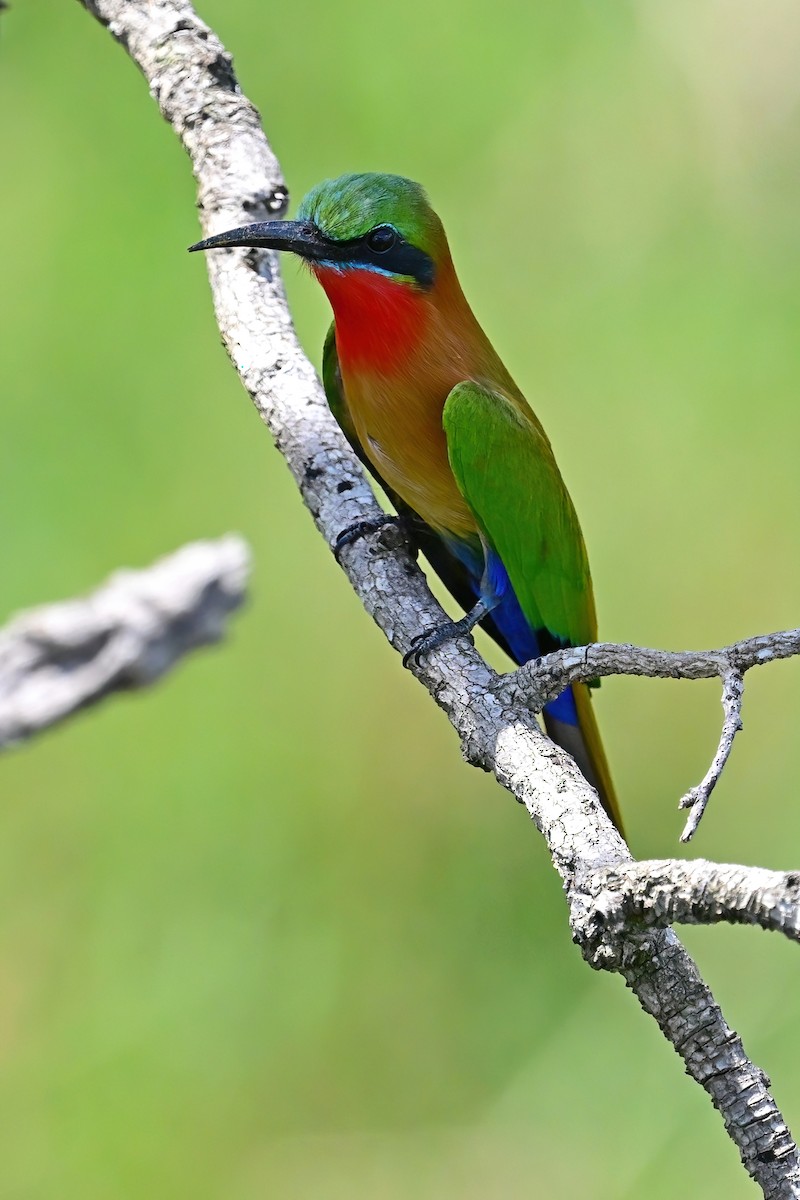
[423, 643]
[361, 529]
[417, 649]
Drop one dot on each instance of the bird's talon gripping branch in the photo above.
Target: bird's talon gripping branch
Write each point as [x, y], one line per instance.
[424, 643]
[412, 656]
[360, 529]
[446, 632]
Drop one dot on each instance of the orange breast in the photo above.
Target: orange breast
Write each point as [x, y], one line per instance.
[400, 428]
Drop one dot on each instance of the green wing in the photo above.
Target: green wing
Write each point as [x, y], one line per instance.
[334, 392]
[505, 469]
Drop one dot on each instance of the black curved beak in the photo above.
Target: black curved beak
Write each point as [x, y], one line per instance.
[298, 237]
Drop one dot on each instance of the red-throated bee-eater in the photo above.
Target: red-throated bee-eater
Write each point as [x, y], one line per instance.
[428, 406]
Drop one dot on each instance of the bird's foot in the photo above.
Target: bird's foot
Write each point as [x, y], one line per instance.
[363, 528]
[425, 642]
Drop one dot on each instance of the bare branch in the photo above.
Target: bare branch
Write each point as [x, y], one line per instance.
[192, 79]
[542, 680]
[660, 892]
[59, 658]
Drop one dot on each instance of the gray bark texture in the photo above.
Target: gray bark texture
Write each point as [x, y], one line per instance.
[542, 680]
[60, 658]
[614, 908]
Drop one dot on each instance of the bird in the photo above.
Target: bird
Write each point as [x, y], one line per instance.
[431, 410]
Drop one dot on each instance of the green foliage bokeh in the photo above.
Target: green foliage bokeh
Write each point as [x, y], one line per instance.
[262, 933]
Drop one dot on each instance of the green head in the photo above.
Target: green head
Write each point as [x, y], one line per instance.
[370, 222]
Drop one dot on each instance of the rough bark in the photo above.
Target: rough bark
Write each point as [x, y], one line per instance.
[60, 658]
[542, 680]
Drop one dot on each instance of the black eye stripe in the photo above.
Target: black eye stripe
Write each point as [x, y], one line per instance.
[399, 257]
[395, 256]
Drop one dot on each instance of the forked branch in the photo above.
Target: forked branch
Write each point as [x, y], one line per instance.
[542, 680]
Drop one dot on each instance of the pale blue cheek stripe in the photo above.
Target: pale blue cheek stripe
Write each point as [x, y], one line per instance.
[342, 268]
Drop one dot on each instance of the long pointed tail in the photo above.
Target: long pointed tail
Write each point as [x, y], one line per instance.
[582, 741]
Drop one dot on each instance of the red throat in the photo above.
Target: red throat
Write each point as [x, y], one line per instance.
[379, 320]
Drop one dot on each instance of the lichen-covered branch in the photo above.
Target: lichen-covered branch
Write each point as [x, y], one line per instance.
[59, 658]
[192, 79]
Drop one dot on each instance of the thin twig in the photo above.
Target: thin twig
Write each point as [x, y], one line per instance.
[544, 678]
[59, 658]
[697, 797]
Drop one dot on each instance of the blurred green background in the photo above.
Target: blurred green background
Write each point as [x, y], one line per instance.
[261, 932]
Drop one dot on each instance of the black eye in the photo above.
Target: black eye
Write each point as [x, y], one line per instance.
[381, 239]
